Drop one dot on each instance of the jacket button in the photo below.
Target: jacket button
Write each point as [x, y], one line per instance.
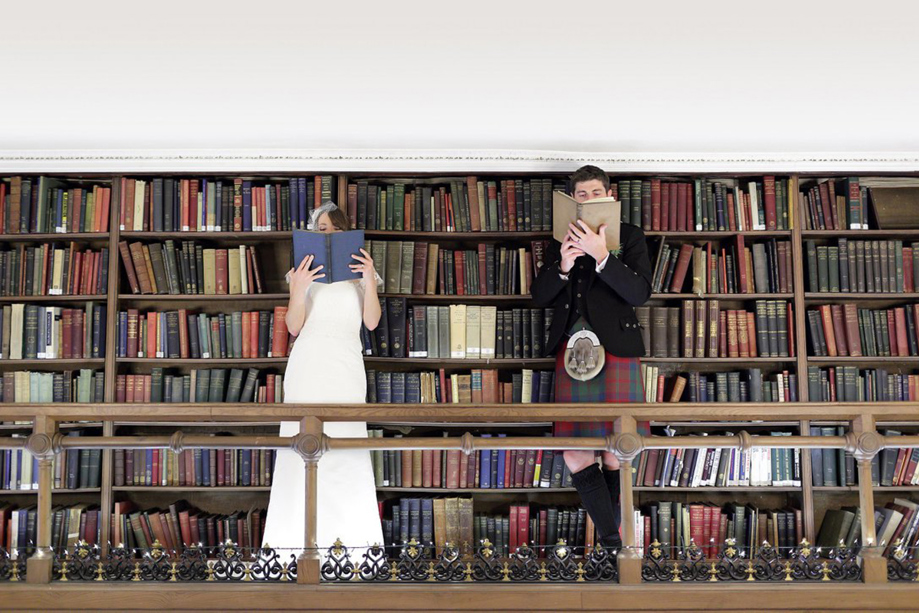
[579, 295]
[566, 306]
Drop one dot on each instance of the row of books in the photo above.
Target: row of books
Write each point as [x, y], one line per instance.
[182, 525]
[167, 204]
[180, 334]
[746, 385]
[720, 467]
[434, 522]
[457, 331]
[424, 268]
[862, 266]
[698, 328]
[71, 469]
[895, 521]
[69, 525]
[46, 270]
[479, 386]
[161, 268]
[30, 332]
[485, 469]
[721, 204]
[835, 204]
[193, 467]
[677, 524]
[463, 204]
[764, 267]
[853, 384]
[200, 385]
[45, 205]
[836, 467]
[84, 385]
[846, 330]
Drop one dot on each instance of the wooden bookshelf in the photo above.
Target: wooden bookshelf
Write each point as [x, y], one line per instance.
[118, 297]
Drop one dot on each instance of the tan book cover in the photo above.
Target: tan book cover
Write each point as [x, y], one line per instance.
[440, 524]
[473, 331]
[57, 274]
[594, 213]
[458, 331]
[139, 191]
[210, 272]
[527, 389]
[16, 326]
[149, 264]
[430, 287]
[243, 273]
[488, 332]
[233, 264]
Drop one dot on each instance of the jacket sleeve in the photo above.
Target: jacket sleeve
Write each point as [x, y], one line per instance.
[548, 284]
[630, 274]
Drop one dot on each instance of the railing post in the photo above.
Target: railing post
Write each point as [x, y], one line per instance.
[310, 444]
[626, 445]
[865, 443]
[41, 444]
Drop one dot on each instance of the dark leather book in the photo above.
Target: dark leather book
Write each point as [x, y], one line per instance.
[526, 332]
[396, 311]
[659, 318]
[419, 267]
[397, 383]
[673, 332]
[682, 266]
[249, 388]
[714, 325]
[516, 337]
[537, 328]
[381, 333]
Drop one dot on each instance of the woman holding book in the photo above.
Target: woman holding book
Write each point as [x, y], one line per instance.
[596, 337]
[326, 366]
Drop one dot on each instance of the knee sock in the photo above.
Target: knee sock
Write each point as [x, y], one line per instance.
[596, 499]
[612, 485]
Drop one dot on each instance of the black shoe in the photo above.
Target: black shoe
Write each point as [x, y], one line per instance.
[611, 543]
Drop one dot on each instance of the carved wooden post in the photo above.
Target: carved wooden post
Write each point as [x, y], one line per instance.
[864, 443]
[310, 444]
[43, 443]
[626, 445]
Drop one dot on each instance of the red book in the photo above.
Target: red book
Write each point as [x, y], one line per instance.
[483, 282]
[279, 341]
[682, 207]
[460, 271]
[789, 313]
[133, 333]
[682, 266]
[769, 202]
[731, 212]
[723, 334]
[523, 524]
[839, 329]
[826, 206]
[655, 205]
[427, 467]
[707, 533]
[66, 333]
[908, 285]
[419, 268]
[472, 197]
[892, 333]
[508, 464]
[674, 208]
[741, 265]
[850, 321]
[900, 320]
[127, 204]
[665, 207]
[183, 333]
[831, 190]
[221, 472]
[152, 320]
[436, 477]
[246, 335]
[827, 319]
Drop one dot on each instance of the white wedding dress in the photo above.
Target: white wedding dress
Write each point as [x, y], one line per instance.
[326, 366]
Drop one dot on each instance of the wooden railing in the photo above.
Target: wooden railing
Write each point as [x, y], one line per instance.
[862, 440]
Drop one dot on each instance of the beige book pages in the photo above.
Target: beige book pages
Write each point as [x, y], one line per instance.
[594, 213]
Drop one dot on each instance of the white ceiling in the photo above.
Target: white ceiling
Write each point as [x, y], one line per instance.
[650, 76]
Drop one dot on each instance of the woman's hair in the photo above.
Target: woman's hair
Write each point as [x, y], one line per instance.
[339, 219]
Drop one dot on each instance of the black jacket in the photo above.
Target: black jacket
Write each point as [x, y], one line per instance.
[606, 300]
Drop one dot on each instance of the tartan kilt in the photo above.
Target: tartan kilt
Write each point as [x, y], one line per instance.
[619, 381]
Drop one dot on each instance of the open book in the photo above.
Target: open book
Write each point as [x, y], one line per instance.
[332, 251]
[594, 213]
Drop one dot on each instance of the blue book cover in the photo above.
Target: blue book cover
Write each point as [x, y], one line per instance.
[333, 251]
[247, 206]
[485, 468]
[502, 458]
[294, 204]
[205, 467]
[301, 202]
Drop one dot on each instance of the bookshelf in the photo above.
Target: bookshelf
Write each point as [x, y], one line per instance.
[274, 247]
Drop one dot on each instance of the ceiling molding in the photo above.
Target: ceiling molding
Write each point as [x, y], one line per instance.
[464, 160]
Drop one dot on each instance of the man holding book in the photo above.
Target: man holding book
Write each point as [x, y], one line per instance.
[594, 286]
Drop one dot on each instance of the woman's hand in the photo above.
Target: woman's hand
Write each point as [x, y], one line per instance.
[303, 277]
[592, 243]
[571, 251]
[365, 267]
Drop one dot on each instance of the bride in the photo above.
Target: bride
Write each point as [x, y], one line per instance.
[326, 366]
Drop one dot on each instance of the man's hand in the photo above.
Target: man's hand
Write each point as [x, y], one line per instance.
[571, 251]
[592, 243]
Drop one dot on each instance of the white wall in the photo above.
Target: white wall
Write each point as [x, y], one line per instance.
[779, 77]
